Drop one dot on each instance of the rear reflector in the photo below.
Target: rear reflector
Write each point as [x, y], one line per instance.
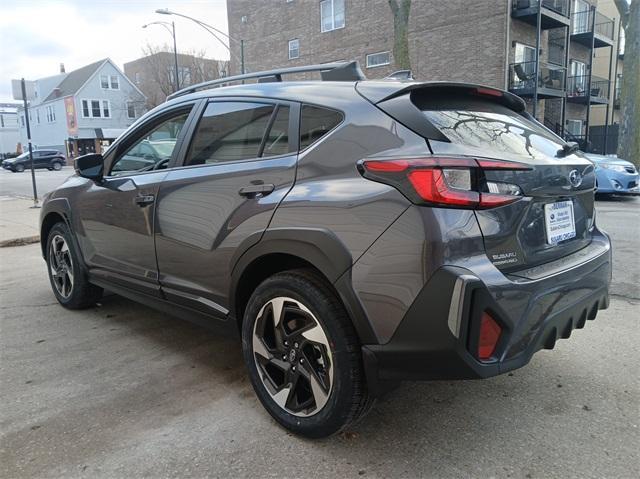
[490, 332]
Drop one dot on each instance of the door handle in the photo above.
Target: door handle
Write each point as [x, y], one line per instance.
[144, 200]
[254, 190]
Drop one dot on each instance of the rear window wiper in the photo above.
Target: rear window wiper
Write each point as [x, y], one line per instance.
[567, 149]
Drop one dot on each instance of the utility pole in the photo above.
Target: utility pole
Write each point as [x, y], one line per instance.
[26, 120]
[242, 57]
[175, 54]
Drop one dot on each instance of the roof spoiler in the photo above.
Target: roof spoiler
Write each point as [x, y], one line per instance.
[377, 92]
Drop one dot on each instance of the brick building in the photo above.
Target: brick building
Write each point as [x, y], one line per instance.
[492, 42]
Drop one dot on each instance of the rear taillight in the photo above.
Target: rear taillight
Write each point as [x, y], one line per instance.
[490, 332]
[449, 182]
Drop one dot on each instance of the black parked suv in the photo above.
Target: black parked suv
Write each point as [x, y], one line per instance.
[353, 233]
[49, 159]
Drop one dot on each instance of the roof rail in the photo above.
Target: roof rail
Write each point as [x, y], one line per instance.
[337, 71]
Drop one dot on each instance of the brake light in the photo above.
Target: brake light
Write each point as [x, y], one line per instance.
[456, 182]
[490, 332]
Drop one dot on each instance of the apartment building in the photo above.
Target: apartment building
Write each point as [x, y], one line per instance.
[155, 75]
[492, 42]
[81, 111]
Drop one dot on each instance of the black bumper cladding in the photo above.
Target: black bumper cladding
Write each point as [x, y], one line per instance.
[438, 337]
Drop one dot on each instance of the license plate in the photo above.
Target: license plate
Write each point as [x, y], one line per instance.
[559, 221]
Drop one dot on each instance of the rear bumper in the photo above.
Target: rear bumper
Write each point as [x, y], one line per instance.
[438, 334]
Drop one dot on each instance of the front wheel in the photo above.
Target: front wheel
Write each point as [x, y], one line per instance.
[303, 354]
[19, 168]
[56, 165]
[67, 277]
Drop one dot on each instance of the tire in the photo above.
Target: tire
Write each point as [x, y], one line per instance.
[307, 369]
[19, 168]
[56, 165]
[67, 276]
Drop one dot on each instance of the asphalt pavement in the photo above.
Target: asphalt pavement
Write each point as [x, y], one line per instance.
[121, 390]
[19, 184]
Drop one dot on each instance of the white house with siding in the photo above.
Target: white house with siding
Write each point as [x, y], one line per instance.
[82, 111]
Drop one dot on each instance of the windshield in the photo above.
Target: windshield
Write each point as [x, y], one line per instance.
[485, 125]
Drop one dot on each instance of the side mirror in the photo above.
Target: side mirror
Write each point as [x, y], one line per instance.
[90, 166]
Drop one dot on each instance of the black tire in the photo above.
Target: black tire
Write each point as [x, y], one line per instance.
[347, 399]
[56, 165]
[80, 294]
[18, 169]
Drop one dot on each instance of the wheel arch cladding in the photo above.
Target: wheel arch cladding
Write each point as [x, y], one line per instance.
[291, 248]
[49, 220]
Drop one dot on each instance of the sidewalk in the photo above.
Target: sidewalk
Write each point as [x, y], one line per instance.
[19, 224]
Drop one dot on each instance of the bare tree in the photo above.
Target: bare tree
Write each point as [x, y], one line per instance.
[401, 10]
[629, 136]
[193, 67]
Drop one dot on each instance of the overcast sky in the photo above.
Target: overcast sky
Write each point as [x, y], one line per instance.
[37, 35]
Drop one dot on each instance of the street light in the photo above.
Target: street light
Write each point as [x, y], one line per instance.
[172, 31]
[211, 30]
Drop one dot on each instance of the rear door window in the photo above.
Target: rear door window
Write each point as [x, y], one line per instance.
[315, 122]
[234, 130]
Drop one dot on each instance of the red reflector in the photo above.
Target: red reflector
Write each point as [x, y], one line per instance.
[489, 335]
[432, 187]
[488, 92]
[387, 166]
[502, 165]
[492, 200]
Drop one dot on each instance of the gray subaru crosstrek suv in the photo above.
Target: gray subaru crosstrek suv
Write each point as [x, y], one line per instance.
[353, 233]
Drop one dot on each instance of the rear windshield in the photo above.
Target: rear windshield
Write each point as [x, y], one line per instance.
[482, 124]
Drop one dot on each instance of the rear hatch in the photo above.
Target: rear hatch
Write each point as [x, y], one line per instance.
[554, 216]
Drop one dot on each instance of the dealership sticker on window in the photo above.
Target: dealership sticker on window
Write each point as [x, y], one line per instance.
[559, 221]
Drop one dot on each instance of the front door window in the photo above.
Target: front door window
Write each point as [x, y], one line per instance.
[154, 150]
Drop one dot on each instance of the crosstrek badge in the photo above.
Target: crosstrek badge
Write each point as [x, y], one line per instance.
[504, 258]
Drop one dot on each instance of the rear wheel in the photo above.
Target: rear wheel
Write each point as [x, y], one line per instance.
[67, 277]
[303, 355]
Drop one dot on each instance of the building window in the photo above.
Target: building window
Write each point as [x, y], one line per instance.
[115, 82]
[578, 78]
[574, 127]
[104, 81]
[131, 109]
[1, 121]
[21, 120]
[378, 59]
[331, 15]
[294, 49]
[95, 108]
[137, 78]
[51, 114]
[85, 108]
[38, 116]
[106, 111]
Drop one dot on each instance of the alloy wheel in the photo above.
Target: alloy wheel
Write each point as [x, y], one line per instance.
[293, 356]
[61, 266]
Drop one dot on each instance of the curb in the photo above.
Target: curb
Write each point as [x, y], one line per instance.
[19, 241]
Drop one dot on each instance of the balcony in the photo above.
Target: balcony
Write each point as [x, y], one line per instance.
[554, 13]
[581, 29]
[550, 82]
[577, 87]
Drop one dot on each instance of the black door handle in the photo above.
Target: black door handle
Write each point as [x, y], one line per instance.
[255, 190]
[144, 200]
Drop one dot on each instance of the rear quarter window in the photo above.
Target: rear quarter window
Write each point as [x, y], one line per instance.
[316, 122]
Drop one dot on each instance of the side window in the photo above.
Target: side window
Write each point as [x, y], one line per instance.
[230, 131]
[315, 122]
[277, 140]
[154, 149]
